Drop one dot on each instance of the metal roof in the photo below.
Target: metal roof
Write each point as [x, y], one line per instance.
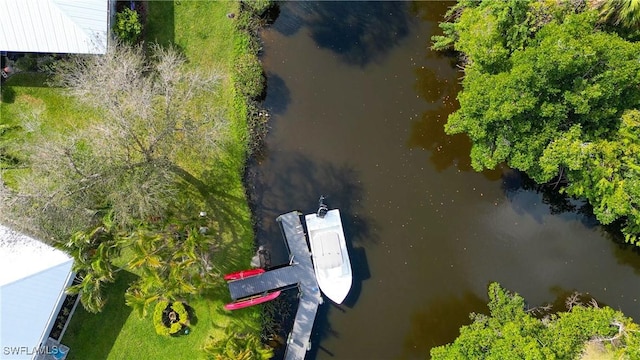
[54, 26]
[33, 277]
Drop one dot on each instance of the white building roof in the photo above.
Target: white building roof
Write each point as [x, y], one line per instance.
[54, 26]
[33, 277]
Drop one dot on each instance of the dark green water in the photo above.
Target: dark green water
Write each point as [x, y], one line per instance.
[358, 102]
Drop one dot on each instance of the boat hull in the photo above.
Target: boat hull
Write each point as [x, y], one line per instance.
[243, 274]
[331, 262]
[252, 301]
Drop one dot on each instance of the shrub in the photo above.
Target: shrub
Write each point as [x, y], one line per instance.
[179, 308]
[258, 7]
[27, 63]
[162, 321]
[128, 26]
[249, 77]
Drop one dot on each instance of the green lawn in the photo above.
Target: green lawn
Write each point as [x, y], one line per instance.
[117, 333]
[31, 110]
[137, 338]
[92, 336]
[25, 96]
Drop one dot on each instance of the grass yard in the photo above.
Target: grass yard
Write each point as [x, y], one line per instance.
[93, 335]
[117, 333]
[25, 97]
[138, 340]
[210, 41]
[30, 109]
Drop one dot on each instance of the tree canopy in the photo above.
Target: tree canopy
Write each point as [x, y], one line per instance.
[152, 130]
[512, 332]
[537, 74]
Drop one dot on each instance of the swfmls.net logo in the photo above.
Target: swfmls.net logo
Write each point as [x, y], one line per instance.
[25, 350]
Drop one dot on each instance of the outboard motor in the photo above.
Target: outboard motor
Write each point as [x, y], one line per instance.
[322, 208]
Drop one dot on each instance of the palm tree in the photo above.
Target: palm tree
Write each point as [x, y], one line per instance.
[146, 248]
[237, 346]
[93, 253]
[139, 300]
[625, 13]
[169, 263]
[90, 290]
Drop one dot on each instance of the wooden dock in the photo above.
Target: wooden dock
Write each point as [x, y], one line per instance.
[298, 273]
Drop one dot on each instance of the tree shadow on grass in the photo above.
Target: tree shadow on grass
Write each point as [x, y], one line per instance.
[222, 198]
[160, 27]
[28, 79]
[92, 336]
[7, 95]
[193, 317]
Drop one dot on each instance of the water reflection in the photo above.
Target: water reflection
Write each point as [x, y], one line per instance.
[430, 11]
[565, 300]
[428, 131]
[279, 94]
[514, 182]
[432, 87]
[360, 32]
[295, 181]
[627, 254]
[431, 325]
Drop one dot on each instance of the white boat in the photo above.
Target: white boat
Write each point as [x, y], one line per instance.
[329, 252]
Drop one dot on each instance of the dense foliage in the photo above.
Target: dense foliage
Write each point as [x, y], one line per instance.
[510, 332]
[93, 253]
[625, 13]
[173, 263]
[128, 26]
[548, 90]
[237, 346]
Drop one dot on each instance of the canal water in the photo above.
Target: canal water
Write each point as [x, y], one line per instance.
[358, 102]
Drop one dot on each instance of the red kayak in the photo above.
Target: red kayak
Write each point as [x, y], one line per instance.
[252, 301]
[239, 275]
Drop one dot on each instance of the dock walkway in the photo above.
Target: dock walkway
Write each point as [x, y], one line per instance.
[299, 272]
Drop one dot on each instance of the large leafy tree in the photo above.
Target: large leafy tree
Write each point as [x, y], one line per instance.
[511, 332]
[535, 75]
[155, 135]
[605, 171]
